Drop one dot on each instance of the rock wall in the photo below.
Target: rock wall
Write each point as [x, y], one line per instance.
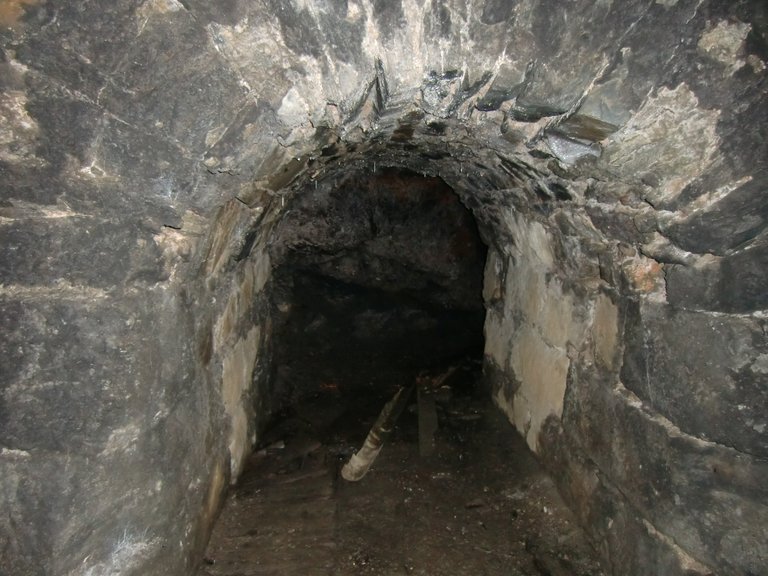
[530, 323]
[234, 331]
[638, 408]
[614, 157]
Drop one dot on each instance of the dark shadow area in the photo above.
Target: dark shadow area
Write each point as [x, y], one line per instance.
[376, 280]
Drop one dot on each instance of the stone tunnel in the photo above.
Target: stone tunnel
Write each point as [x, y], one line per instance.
[574, 191]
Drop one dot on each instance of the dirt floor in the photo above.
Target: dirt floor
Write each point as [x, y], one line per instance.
[479, 504]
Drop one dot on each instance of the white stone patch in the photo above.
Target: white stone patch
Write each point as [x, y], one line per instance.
[493, 277]
[760, 365]
[128, 553]
[300, 5]
[10, 453]
[531, 238]
[262, 270]
[154, 8]
[345, 83]
[353, 11]
[176, 247]
[293, 110]
[160, 7]
[18, 131]
[371, 44]
[92, 170]
[686, 562]
[409, 55]
[569, 150]
[27, 211]
[60, 289]
[256, 51]
[528, 334]
[122, 440]
[236, 380]
[214, 135]
[526, 289]
[669, 136]
[542, 372]
[723, 42]
[756, 64]
[555, 318]
[318, 88]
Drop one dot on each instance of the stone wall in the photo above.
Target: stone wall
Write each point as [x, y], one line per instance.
[637, 407]
[531, 322]
[235, 328]
[613, 154]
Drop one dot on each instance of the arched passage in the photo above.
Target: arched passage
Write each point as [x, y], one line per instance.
[611, 154]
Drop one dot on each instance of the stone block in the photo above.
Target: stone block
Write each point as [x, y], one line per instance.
[190, 100]
[78, 250]
[707, 498]
[733, 283]
[697, 369]
[119, 468]
[622, 225]
[493, 279]
[693, 287]
[605, 331]
[556, 320]
[741, 286]
[736, 218]
[236, 389]
[77, 44]
[66, 126]
[498, 382]
[80, 358]
[498, 331]
[626, 542]
[643, 276]
[541, 371]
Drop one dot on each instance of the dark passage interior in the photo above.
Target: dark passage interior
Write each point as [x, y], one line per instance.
[376, 280]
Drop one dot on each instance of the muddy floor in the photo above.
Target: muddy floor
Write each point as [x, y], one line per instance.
[472, 502]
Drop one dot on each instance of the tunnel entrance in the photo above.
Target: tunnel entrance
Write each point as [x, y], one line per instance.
[376, 279]
[378, 287]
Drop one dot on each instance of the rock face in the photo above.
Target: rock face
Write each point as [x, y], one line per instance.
[151, 153]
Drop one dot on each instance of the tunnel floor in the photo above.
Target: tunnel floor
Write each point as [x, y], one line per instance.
[477, 504]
